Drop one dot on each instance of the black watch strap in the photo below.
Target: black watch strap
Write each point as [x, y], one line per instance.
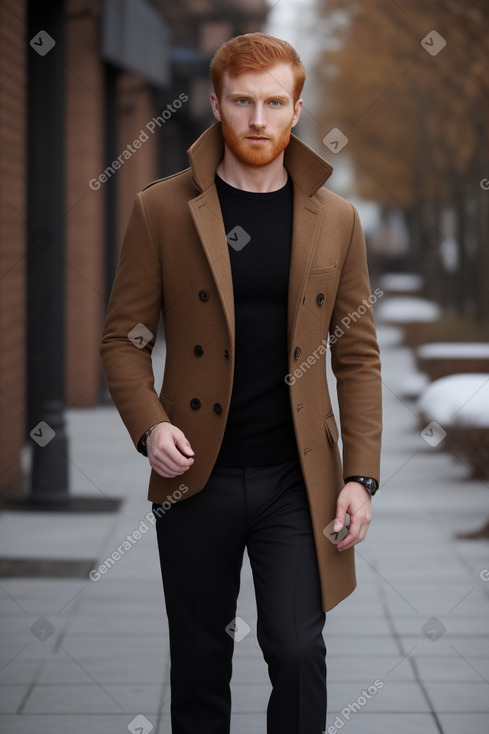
[370, 484]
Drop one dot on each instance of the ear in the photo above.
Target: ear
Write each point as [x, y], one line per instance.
[297, 112]
[215, 106]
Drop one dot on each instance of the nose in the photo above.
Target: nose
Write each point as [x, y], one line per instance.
[257, 119]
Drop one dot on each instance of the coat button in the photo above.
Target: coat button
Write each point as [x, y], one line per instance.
[198, 350]
[195, 403]
[320, 298]
[204, 296]
[218, 408]
[226, 353]
[297, 352]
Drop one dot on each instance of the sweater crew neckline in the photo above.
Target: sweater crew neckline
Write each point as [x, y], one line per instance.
[243, 194]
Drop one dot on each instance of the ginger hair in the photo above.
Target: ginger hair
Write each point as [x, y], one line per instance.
[255, 52]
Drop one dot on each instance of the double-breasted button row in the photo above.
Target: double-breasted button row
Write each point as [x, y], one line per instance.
[297, 352]
[198, 351]
[320, 299]
[204, 296]
[195, 404]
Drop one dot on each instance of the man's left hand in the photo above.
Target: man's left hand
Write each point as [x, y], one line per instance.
[354, 500]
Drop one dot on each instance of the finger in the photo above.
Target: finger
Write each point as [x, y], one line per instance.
[167, 470]
[169, 452]
[184, 447]
[356, 533]
[340, 519]
[169, 458]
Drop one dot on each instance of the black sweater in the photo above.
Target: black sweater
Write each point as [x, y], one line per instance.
[258, 226]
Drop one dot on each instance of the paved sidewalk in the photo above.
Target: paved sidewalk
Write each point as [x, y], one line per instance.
[85, 656]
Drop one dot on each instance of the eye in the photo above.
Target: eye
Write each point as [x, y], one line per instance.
[276, 102]
[242, 101]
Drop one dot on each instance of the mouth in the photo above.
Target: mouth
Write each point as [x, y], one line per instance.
[256, 137]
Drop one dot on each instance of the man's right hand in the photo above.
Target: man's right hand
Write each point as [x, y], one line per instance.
[169, 452]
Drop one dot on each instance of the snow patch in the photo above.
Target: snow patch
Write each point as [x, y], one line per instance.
[453, 350]
[401, 282]
[457, 400]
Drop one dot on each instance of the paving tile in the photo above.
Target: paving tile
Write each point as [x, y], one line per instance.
[346, 645]
[250, 671]
[391, 697]
[70, 535]
[86, 623]
[466, 723]
[357, 627]
[18, 670]
[250, 697]
[368, 668]
[133, 608]
[11, 698]
[67, 724]
[386, 724]
[104, 670]
[39, 596]
[470, 697]
[244, 724]
[27, 646]
[351, 607]
[119, 589]
[453, 669]
[131, 647]
[78, 699]
[468, 648]
[455, 625]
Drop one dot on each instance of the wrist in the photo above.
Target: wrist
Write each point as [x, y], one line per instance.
[370, 484]
[145, 437]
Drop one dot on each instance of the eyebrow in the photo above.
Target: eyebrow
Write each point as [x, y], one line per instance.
[242, 95]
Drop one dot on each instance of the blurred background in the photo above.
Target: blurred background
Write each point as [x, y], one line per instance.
[97, 99]
[403, 121]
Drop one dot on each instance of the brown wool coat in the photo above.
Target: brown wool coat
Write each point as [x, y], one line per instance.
[175, 259]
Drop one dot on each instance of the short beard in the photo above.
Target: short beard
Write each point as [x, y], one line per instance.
[250, 156]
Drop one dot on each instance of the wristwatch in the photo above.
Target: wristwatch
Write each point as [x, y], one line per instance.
[371, 485]
[144, 439]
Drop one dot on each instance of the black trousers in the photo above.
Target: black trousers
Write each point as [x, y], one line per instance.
[201, 542]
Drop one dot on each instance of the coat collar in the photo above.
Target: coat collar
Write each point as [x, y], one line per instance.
[307, 169]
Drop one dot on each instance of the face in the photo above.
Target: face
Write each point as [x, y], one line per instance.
[257, 112]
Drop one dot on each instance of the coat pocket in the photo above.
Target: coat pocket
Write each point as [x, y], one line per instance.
[331, 428]
[324, 270]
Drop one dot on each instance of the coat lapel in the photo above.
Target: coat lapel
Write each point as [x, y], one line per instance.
[206, 213]
[307, 217]
[308, 171]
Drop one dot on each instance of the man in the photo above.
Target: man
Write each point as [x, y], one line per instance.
[252, 263]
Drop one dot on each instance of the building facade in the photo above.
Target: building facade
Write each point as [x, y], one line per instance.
[97, 98]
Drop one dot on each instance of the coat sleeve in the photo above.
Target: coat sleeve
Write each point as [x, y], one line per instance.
[130, 329]
[356, 362]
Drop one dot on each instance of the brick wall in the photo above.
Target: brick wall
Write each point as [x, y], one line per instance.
[135, 110]
[85, 301]
[85, 296]
[13, 121]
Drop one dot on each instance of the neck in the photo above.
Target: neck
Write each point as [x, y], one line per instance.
[259, 179]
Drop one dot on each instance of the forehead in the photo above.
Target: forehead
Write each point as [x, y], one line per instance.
[278, 80]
